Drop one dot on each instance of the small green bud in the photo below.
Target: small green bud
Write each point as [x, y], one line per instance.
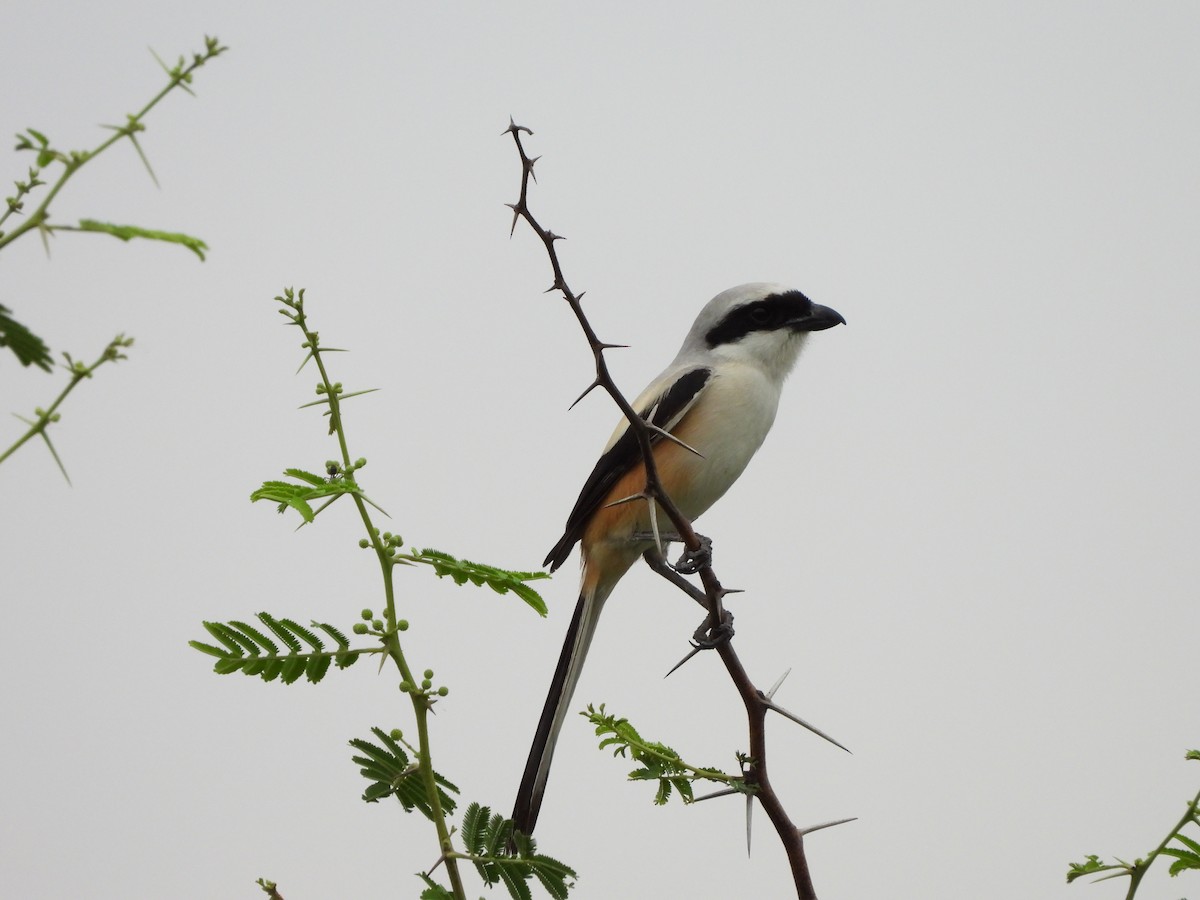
[360, 628]
[360, 462]
[368, 614]
[429, 673]
[443, 691]
[377, 624]
[406, 687]
[364, 543]
[426, 684]
[396, 734]
[402, 625]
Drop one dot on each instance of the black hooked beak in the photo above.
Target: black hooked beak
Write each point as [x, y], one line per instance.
[818, 318]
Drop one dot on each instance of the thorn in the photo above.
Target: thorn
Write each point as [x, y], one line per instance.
[638, 496]
[605, 346]
[160, 62]
[45, 437]
[677, 665]
[799, 721]
[515, 207]
[552, 237]
[722, 793]
[811, 828]
[654, 526]
[529, 168]
[749, 811]
[591, 387]
[670, 437]
[775, 686]
[146, 162]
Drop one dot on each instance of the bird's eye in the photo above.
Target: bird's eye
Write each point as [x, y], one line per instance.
[761, 315]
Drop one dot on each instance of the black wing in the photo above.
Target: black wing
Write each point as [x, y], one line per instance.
[623, 456]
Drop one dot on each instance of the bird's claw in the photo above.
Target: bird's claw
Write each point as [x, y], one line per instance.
[709, 636]
[692, 561]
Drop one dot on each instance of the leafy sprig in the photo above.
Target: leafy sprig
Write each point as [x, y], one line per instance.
[29, 348]
[71, 161]
[388, 767]
[656, 761]
[501, 856]
[1186, 852]
[392, 765]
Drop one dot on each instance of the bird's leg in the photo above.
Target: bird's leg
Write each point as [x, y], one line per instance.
[707, 636]
[659, 564]
[690, 561]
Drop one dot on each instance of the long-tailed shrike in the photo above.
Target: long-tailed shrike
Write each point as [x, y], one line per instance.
[719, 396]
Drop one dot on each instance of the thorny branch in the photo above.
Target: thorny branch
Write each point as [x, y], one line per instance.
[756, 702]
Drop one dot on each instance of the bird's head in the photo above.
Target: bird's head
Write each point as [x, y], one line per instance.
[758, 323]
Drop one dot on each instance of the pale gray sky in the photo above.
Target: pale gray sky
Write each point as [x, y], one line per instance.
[971, 535]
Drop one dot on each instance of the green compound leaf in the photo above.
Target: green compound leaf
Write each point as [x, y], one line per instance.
[242, 647]
[463, 570]
[129, 232]
[297, 496]
[386, 765]
[489, 839]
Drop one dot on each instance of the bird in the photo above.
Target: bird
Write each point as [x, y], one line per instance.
[719, 398]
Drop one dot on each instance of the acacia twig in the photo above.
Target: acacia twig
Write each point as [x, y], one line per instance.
[755, 701]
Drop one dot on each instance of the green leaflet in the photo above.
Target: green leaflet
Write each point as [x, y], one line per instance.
[27, 346]
[129, 232]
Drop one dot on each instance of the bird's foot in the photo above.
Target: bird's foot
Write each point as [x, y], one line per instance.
[692, 561]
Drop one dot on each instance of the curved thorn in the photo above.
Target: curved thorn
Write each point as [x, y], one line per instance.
[591, 387]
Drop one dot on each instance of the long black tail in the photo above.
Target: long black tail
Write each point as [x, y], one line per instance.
[558, 701]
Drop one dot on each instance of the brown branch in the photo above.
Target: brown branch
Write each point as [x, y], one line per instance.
[755, 701]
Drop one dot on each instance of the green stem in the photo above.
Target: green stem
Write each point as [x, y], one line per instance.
[46, 416]
[419, 698]
[75, 161]
[1137, 872]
